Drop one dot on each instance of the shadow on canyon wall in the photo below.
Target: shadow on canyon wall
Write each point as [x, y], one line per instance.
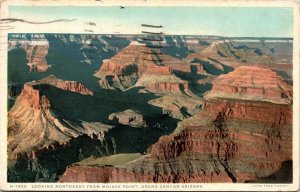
[283, 175]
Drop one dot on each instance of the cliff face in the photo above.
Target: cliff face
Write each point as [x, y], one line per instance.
[178, 106]
[252, 83]
[227, 150]
[72, 86]
[33, 126]
[165, 87]
[230, 140]
[163, 84]
[261, 112]
[33, 99]
[134, 55]
[134, 63]
[32, 110]
[238, 129]
[36, 54]
[124, 69]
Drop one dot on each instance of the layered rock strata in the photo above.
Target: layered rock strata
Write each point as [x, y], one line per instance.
[252, 83]
[230, 140]
[72, 86]
[163, 84]
[33, 125]
[135, 62]
[124, 69]
[228, 150]
[178, 106]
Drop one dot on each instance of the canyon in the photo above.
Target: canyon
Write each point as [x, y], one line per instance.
[36, 52]
[111, 108]
[229, 140]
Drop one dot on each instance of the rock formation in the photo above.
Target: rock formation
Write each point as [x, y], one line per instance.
[135, 63]
[178, 106]
[252, 83]
[36, 52]
[123, 70]
[163, 84]
[34, 126]
[230, 140]
[235, 53]
[128, 117]
[72, 86]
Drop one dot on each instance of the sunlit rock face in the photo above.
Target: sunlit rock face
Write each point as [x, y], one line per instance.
[252, 83]
[201, 109]
[33, 125]
[233, 139]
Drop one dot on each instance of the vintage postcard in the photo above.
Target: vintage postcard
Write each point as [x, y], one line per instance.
[149, 95]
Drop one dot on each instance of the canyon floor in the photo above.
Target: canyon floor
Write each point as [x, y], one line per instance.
[112, 108]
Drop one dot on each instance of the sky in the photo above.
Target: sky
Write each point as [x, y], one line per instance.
[222, 21]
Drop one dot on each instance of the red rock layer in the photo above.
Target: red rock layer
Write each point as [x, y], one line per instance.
[261, 112]
[33, 98]
[234, 147]
[189, 68]
[166, 87]
[133, 55]
[153, 69]
[125, 69]
[236, 138]
[273, 126]
[252, 83]
[113, 175]
[72, 86]
[32, 125]
[108, 66]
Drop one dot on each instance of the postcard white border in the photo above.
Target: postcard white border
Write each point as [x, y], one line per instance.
[155, 187]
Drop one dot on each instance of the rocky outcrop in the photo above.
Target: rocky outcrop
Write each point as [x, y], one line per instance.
[178, 106]
[139, 66]
[72, 86]
[36, 52]
[33, 125]
[252, 83]
[135, 62]
[193, 68]
[163, 84]
[261, 112]
[128, 117]
[165, 87]
[124, 69]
